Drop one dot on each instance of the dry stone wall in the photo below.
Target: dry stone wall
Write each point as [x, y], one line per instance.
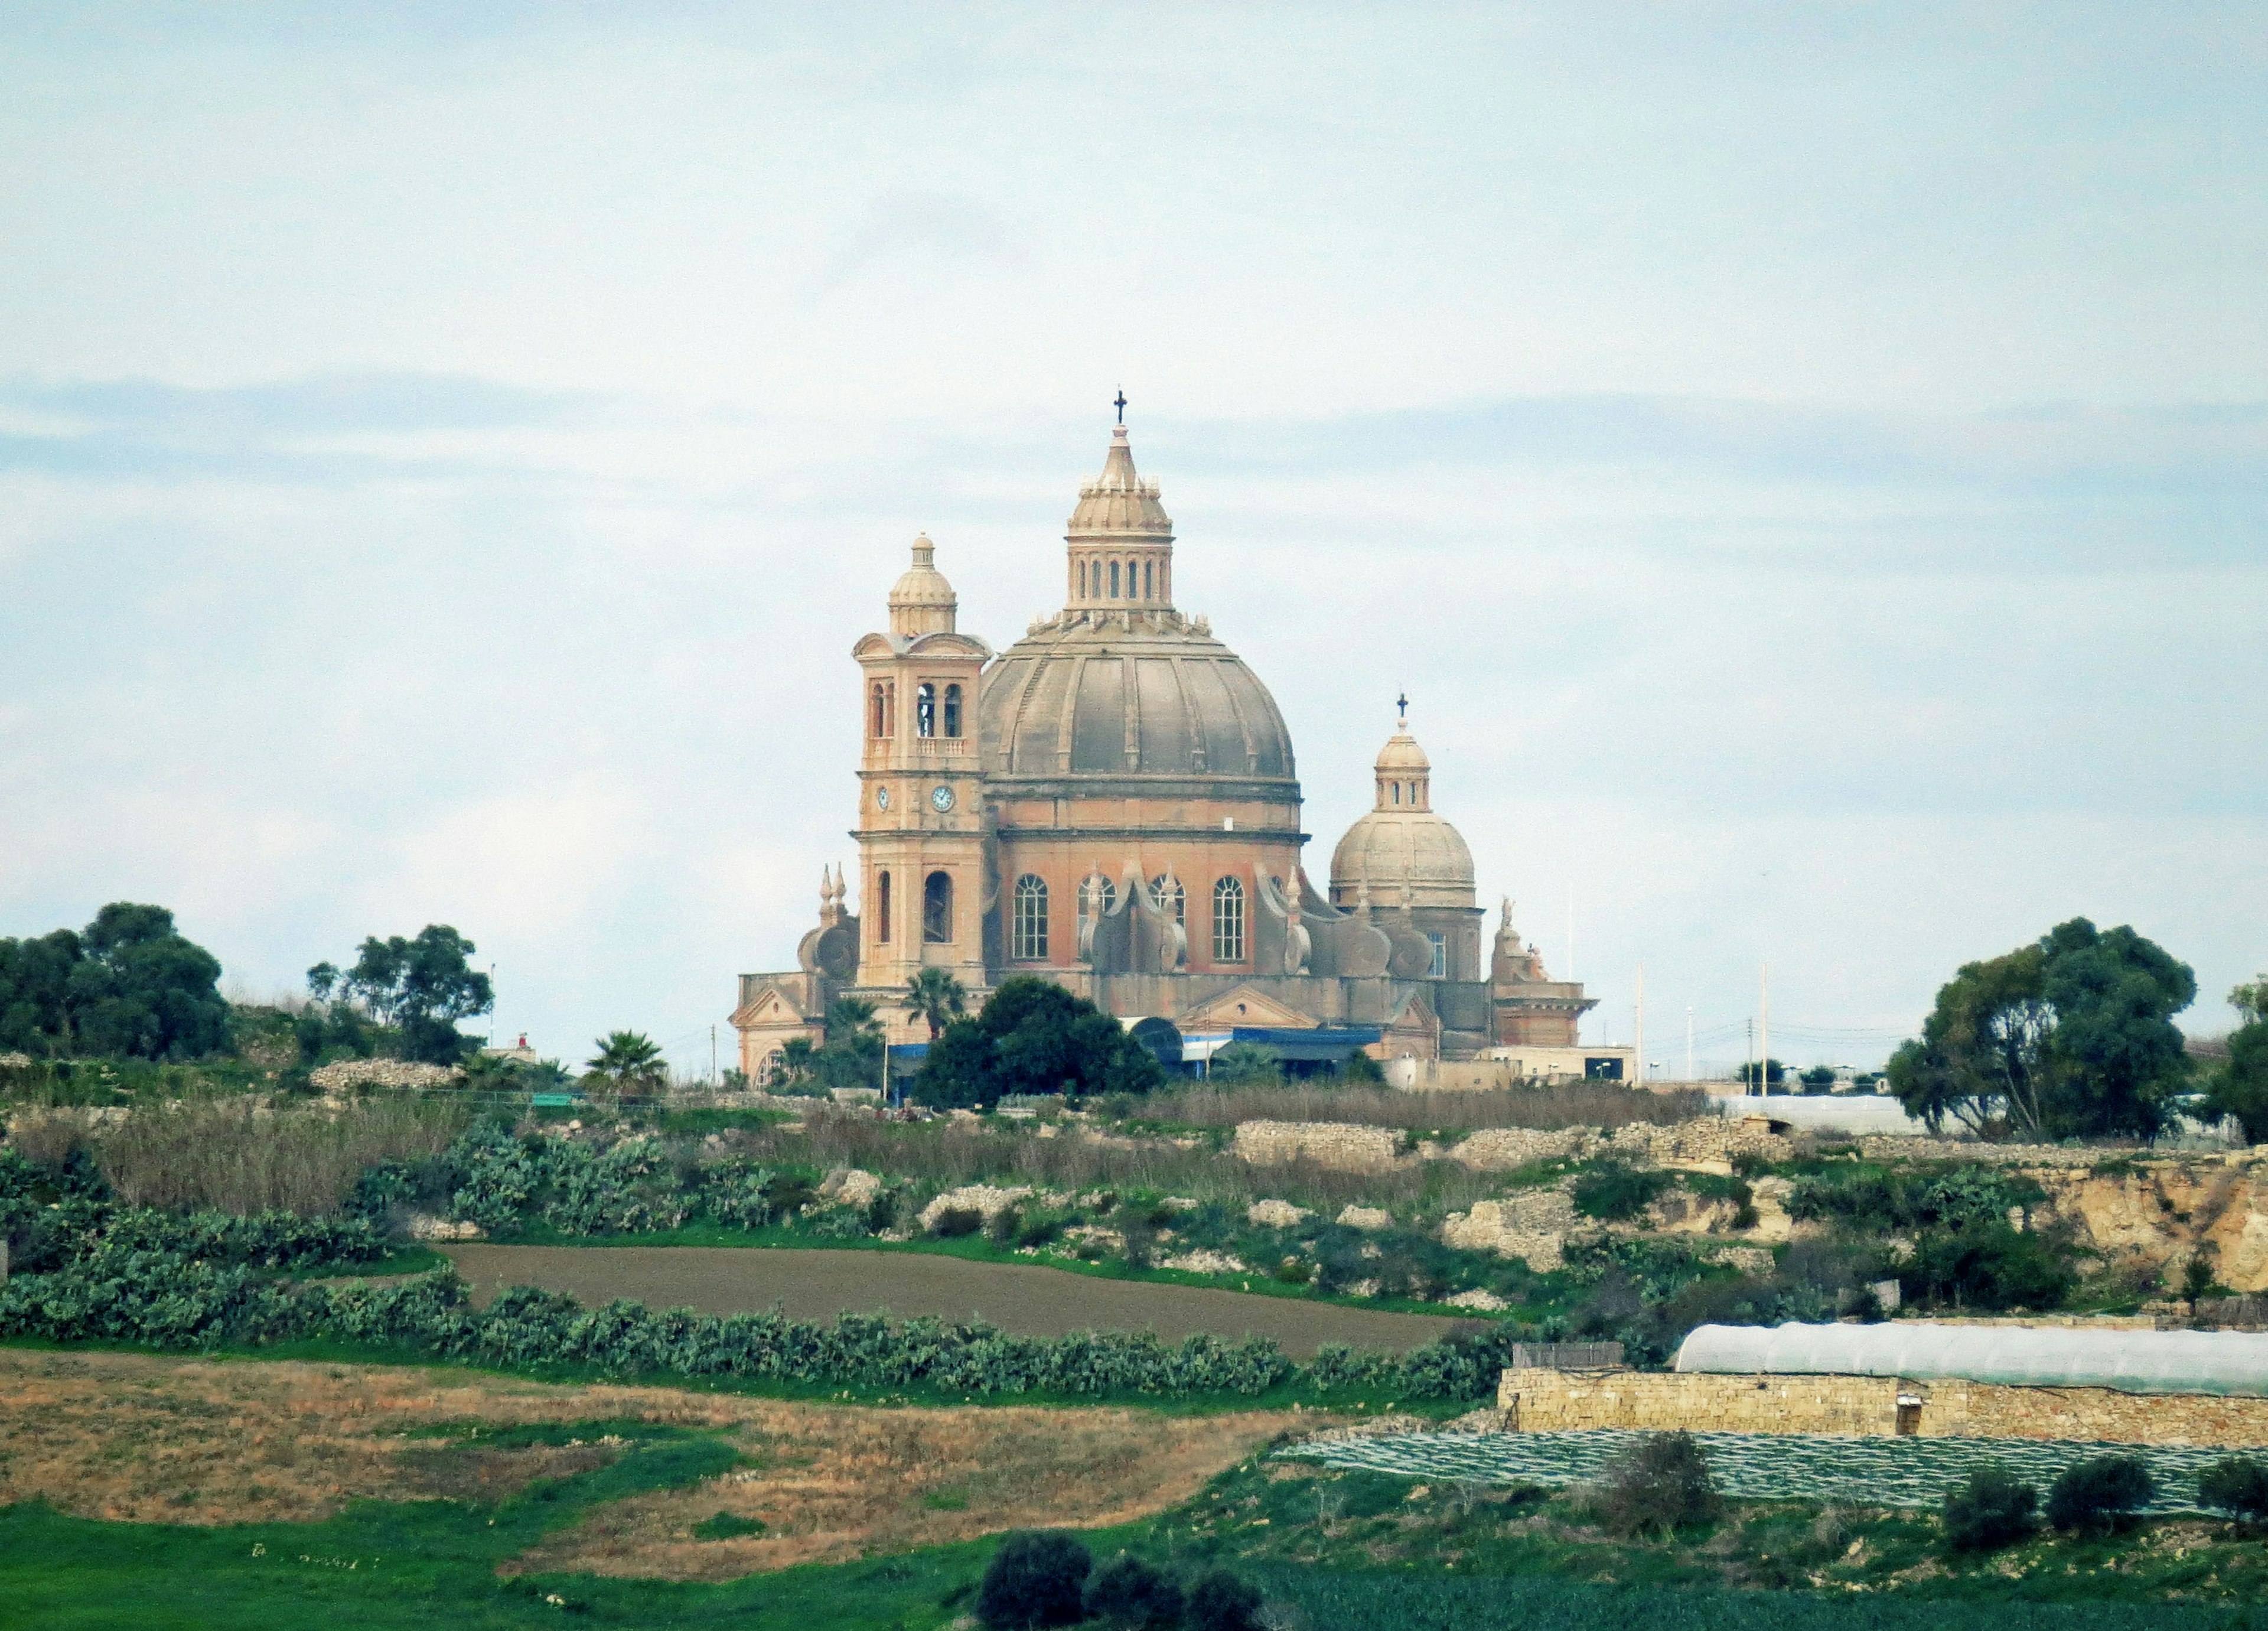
[1710, 1143]
[1346, 1146]
[1548, 1402]
[348, 1074]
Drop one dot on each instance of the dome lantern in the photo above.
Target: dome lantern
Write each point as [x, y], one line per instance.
[1120, 555]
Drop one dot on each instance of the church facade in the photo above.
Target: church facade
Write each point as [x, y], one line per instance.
[1112, 803]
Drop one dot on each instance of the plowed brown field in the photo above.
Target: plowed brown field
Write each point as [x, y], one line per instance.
[1024, 1298]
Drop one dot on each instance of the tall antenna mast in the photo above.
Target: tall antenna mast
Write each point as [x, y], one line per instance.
[1764, 1069]
[1641, 1027]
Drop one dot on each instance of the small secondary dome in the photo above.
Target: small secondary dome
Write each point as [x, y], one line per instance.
[922, 601]
[1402, 852]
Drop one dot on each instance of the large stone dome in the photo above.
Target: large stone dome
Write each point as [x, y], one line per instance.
[1129, 694]
[1402, 852]
[1119, 684]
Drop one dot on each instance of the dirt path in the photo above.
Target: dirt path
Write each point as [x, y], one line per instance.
[1032, 1301]
[151, 1439]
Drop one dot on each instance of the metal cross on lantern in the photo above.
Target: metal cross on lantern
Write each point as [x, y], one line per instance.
[1121, 405]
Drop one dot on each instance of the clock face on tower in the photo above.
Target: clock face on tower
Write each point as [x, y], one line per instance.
[881, 798]
[940, 799]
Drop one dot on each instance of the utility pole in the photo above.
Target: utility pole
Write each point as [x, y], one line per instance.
[1689, 1044]
[1750, 1055]
[1641, 1027]
[1764, 1070]
[714, 1080]
[1571, 931]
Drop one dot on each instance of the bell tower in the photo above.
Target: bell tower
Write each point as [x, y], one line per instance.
[921, 809]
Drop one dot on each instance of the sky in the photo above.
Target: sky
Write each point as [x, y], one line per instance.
[1808, 466]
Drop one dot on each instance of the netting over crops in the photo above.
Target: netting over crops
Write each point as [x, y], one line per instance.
[2134, 1361]
[1886, 1472]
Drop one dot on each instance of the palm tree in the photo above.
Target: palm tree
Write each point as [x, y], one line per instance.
[937, 999]
[850, 1018]
[629, 1058]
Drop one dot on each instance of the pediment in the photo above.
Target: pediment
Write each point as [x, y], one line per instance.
[1248, 1004]
[1417, 1015]
[768, 1007]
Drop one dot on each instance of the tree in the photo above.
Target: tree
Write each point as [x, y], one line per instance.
[937, 999]
[2070, 1037]
[35, 1016]
[2239, 1086]
[1034, 1037]
[420, 987]
[1361, 1071]
[2238, 1486]
[1818, 1079]
[2100, 1495]
[1775, 1071]
[852, 1056]
[130, 986]
[1660, 1484]
[1038, 1577]
[1992, 1510]
[1127, 1592]
[628, 1060]
[1221, 1601]
[1246, 1064]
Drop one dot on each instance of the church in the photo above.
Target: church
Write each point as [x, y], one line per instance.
[1112, 803]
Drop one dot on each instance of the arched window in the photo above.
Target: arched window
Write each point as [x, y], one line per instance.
[937, 908]
[1105, 897]
[1082, 580]
[1229, 921]
[1176, 902]
[926, 709]
[953, 711]
[1114, 580]
[1149, 581]
[1398, 792]
[775, 1068]
[875, 718]
[1027, 936]
[1439, 968]
[883, 908]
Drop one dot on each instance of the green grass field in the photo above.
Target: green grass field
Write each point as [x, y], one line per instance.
[1366, 1556]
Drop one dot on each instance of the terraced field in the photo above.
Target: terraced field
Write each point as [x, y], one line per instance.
[1764, 1466]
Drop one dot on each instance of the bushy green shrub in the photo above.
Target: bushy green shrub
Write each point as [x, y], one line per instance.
[1992, 1510]
[2238, 1486]
[1988, 1266]
[1127, 1592]
[1221, 1601]
[1659, 1484]
[1612, 1190]
[1038, 1577]
[2101, 1495]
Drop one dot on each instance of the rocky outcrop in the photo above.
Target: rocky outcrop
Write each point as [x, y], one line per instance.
[2156, 1214]
[1533, 1227]
[1369, 1219]
[1276, 1214]
[983, 1198]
